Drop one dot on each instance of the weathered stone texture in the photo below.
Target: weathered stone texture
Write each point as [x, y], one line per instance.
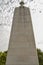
[22, 50]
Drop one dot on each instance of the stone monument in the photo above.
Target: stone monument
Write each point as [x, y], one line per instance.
[22, 50]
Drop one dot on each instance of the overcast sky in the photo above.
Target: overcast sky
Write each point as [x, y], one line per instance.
[6, 16]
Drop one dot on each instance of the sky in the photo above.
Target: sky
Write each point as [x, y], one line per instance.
[7, 8]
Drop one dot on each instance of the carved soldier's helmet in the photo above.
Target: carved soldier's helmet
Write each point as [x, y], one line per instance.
[21, 3]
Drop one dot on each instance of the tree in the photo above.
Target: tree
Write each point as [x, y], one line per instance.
[40, 56]
[3, 58]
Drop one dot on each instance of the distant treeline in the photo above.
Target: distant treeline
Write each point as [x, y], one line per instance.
[3, 56]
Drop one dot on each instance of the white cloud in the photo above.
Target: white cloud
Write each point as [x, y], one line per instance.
[7, 8]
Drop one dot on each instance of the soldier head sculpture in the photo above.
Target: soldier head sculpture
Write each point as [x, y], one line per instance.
[21, 3]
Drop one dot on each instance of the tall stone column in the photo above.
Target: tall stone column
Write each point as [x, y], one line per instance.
[22, 50]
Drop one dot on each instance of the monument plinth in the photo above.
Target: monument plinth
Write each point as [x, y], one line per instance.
[22, 50]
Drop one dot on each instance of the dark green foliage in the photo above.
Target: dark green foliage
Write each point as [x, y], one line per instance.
[40, 56]
[3, 57]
